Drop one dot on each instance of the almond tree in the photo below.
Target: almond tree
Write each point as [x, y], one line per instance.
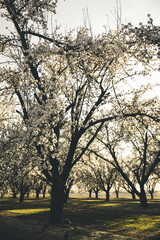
[139, 139]
[99, 175]
[88, 176]
[151, 184]
[117, 184]
[107, 175]
[16, 161]
[128, 187]
[64, 86]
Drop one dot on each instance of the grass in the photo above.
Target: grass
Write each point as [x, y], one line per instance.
[123, 217]
[28, 211]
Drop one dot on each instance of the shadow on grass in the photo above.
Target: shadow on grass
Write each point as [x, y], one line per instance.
[120, 216]
[10, 204]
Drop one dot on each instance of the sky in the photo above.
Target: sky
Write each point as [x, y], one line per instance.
[70, 13]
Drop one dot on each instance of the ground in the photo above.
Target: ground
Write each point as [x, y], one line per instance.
[86, 219]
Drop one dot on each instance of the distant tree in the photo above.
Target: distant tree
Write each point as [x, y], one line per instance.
[143, 157]
[87, 176]
[129, 189]
[90, 192]
[97, 175]
[106, 177]
[38, 185]
[16, 161]
[117, 184]
[44, 189]
[151, 184]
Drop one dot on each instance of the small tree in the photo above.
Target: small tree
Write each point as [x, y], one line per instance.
[38, 187]
[106, 178]
[117, 184]
[151, 184]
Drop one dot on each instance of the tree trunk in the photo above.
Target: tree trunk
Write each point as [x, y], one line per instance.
[28, 194]
[117, 193]
[96, 193]
[22, 193]
[21, 199]
[90, 193]
[66, 195]
[57, 203]
[151, 193]
[143, 199]
[37, 193]
[14, 195]
[44, 193]
[133, 196]
[107, 195]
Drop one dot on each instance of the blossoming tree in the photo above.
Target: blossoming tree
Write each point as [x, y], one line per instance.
[65, 86]
[133, 149]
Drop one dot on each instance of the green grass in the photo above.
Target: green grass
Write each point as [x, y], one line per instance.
[122, 216]
[29, 211]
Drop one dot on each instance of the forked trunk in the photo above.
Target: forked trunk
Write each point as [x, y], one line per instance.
[57, 203]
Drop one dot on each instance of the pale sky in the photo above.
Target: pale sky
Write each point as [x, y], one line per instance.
[70, 15]
[70, 12]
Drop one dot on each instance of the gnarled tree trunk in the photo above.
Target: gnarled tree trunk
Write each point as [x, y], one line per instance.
[143, 198]
[107, 195]
[57, 203]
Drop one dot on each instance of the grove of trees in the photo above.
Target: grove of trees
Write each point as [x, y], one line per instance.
[72, 95]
